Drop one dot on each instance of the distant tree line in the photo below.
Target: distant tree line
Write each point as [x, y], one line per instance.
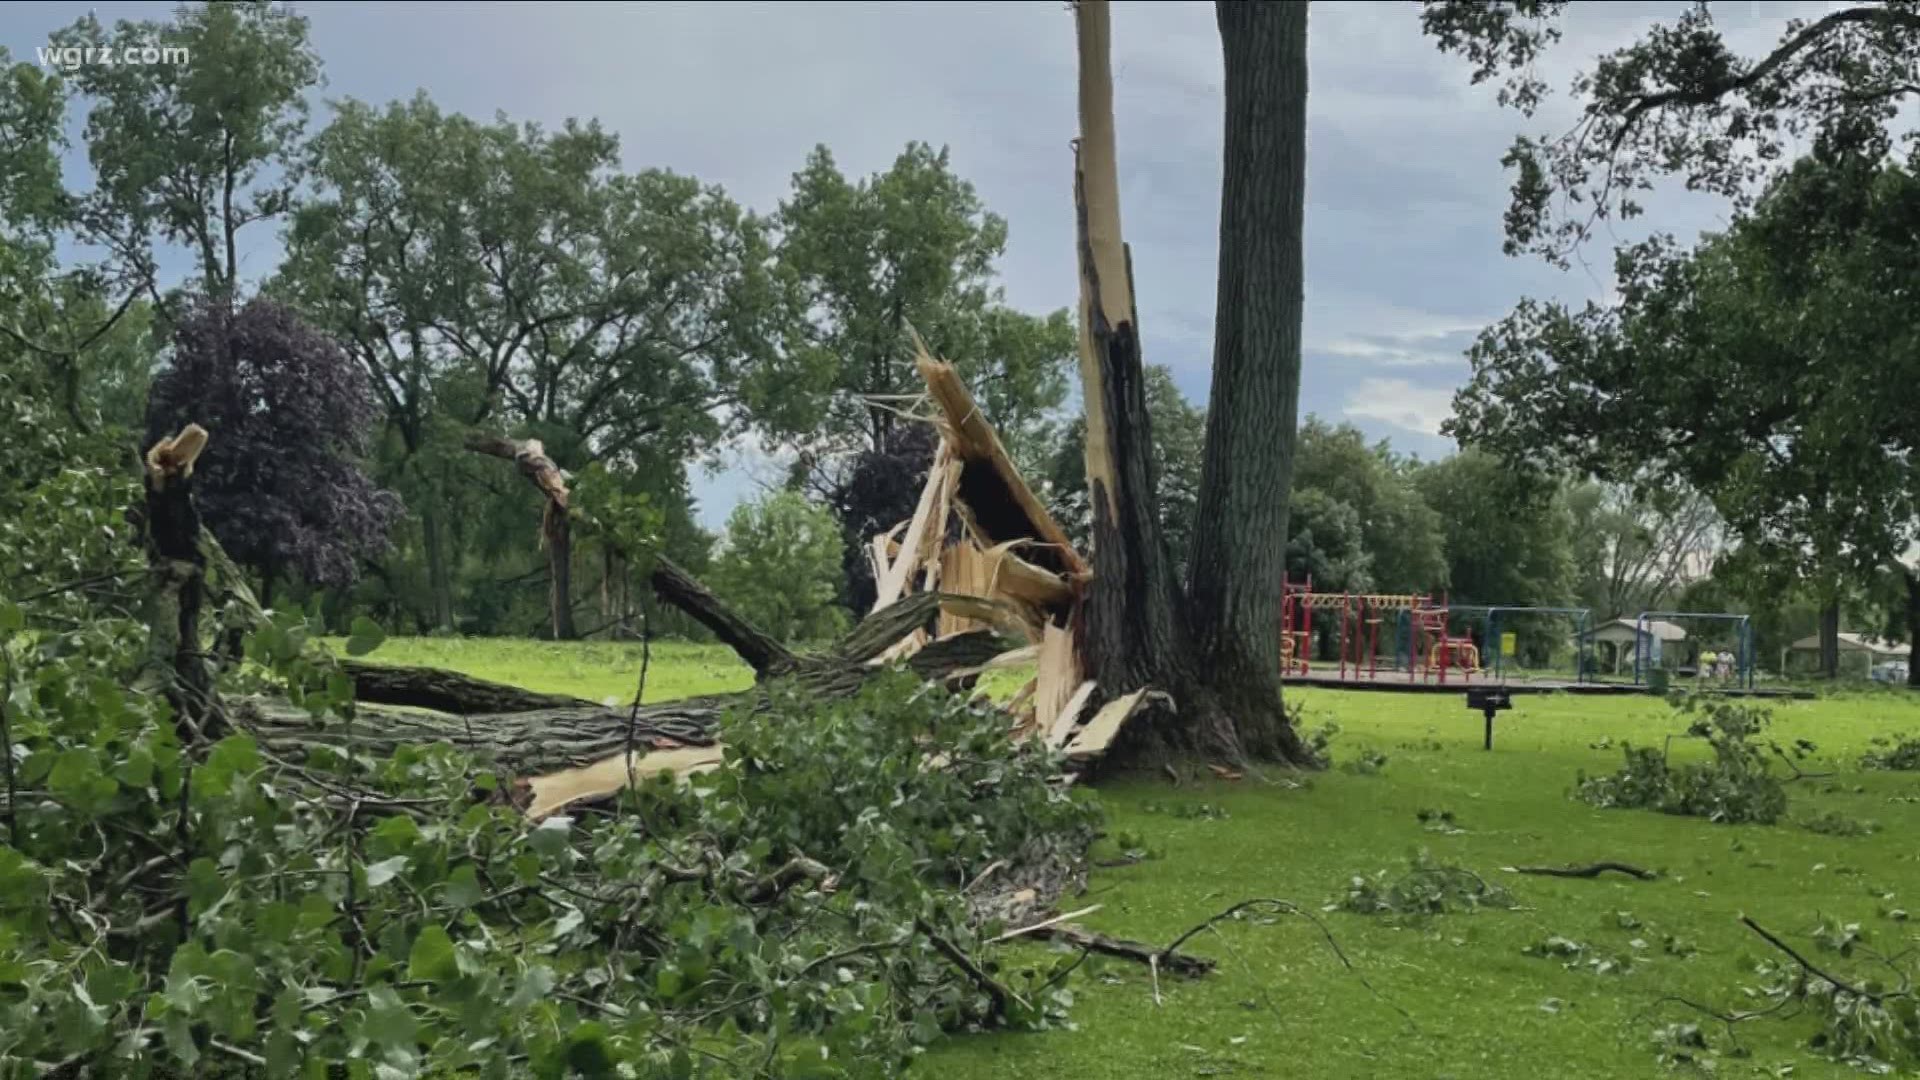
[439, 275]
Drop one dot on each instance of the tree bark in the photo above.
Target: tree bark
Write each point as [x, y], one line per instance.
[1217, 658]
[176, 660]
[526, 732]
[557, 532]
[1830, 640]
[1239, 552]
[447, 691]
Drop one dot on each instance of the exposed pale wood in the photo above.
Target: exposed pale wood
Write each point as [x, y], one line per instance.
[1025, 654]
[1062, 726]
[1014, 578]
[968, 571]
[1058, 675]
[913, 547]
[557, 791]
[999, 504]
[1045, 923]
[1106, 292]
[1093, 739]
[882, 550]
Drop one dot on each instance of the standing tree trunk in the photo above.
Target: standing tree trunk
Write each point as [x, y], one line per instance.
[558, 535]
[1215, 652]
[439, 585]
[1830, 640]
[1912, 577]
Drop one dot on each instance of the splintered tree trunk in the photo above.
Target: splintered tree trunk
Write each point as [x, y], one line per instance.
[1216, 656]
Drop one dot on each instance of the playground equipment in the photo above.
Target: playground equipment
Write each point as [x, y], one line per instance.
[1423, 644]
[1438, 647]
[1647, 646]
[1582, 640]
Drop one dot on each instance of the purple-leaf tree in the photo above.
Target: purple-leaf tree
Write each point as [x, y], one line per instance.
[281, 483]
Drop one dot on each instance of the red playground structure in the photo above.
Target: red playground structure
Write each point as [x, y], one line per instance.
[1422, 644]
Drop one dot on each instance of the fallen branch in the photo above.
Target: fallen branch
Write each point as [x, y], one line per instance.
[1591, 870]
[1808, 965]
[1080, 937]
[1003, 998]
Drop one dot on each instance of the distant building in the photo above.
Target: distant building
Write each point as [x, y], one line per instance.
[1869, 651]
[1614, 643]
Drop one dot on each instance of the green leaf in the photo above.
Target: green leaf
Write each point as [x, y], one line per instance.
[549, 838]
[205, 885]
[389, 1023]
[364, 636]
[463, 886]
[432, 957]
[385, 870]
[11, 618]
[78, 781]
[534, 987]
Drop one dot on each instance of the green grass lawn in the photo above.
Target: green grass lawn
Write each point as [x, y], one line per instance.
[1482, 1009]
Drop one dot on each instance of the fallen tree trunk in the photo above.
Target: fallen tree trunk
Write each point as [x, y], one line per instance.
[525, 732]
[671, 583]
[447, 691]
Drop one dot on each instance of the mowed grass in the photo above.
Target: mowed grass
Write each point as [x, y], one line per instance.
[1281, 1003]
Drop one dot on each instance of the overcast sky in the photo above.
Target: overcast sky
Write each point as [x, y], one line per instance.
[1405, 190]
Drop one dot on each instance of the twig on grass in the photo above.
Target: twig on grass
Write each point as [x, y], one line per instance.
[1591, 870]
[1287, 907]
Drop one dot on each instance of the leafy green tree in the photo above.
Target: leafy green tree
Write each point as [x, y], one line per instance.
[502, 274]
[1681, 102]
[1755, 368]
[80, 322]
[191, 153]
[1400, 533]
[780, 567]
[908, 249]
[1508, 541]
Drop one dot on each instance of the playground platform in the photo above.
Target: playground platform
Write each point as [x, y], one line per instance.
[1397, 682]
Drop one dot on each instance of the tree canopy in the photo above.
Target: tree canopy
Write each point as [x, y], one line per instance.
[283, 489]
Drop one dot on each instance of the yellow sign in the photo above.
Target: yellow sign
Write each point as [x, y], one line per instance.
[1509, 642]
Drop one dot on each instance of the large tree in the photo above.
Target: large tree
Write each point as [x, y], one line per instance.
[1401, 533]
[1212, 645]
[496, 274]
[190, 153]
[283, 488]
[1680, 102]
[1636, 553]
[1508, 540]
[1756, 367]
[869, 262]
